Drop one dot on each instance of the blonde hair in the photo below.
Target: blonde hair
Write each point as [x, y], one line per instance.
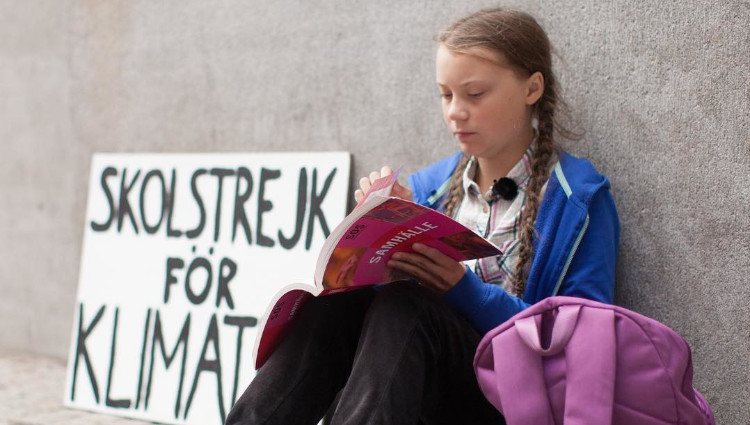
[525, 47]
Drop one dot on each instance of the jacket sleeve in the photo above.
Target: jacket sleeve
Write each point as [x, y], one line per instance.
[417, 192]
[591, 273]
[484, 305]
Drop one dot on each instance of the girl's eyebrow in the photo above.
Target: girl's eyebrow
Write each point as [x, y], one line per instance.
[465, 83]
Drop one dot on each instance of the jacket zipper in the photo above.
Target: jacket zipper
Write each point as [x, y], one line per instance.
[570, 257]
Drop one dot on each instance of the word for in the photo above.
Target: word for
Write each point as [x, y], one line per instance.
[226, 271]
[122, 210]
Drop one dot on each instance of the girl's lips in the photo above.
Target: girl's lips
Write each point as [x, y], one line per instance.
[464, 135]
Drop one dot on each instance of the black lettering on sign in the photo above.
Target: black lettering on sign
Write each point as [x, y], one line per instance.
[264, 205]
[220, 173]
[143, 358]
[121, 403]
[289, 243]
[124, 209]
[227, 270]
[197, 292]
[182, 341]
[172, 264]
[149, 228]
[240, 218]
[198, 262]
[316, 199]
[213, 366]
[171, 233]
[81, 350]
[102, 227]
[192, 234]
[241, 322]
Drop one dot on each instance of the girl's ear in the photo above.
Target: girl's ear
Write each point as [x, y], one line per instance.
[534, 88]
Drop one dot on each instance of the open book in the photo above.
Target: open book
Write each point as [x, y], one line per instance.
[356, 253]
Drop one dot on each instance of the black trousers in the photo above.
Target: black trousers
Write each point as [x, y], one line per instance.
[398, 355]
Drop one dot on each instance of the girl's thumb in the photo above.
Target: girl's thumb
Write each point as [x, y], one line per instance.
[401, 191]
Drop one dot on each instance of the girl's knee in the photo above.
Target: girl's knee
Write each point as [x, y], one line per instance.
[405, 299]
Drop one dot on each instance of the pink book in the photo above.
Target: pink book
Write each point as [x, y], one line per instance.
[356, 252]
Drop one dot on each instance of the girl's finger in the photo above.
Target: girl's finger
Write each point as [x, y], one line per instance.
[420, 274]
[358, 195]
[433, 254]
[385, 171]
[449, 270]
[364, 184]
[374, 176]
[417, 260]
[402, 192]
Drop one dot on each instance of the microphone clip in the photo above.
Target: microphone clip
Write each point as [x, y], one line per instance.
[505, 188]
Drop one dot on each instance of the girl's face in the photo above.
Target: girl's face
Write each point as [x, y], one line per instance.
[487, 106]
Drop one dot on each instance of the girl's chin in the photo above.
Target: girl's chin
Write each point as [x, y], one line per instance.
[470, 149]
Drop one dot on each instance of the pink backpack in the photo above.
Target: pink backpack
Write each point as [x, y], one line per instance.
[574, 361]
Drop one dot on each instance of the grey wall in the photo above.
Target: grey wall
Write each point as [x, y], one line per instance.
[660, 88]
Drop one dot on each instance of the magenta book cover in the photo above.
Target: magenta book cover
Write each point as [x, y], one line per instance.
[360, 256]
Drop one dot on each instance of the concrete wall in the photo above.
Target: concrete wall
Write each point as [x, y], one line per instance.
[660, 88]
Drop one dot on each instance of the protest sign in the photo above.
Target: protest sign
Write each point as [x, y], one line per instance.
[181, 255]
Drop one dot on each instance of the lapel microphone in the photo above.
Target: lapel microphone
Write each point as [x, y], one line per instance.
[505, 188]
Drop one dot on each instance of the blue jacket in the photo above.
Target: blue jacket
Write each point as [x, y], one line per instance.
[575, 251]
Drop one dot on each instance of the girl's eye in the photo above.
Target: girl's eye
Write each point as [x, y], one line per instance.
[476, 94]
[445, 95]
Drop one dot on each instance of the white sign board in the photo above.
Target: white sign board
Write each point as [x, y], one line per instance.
[181, 255]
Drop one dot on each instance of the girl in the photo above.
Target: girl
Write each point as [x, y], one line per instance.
[403, 353]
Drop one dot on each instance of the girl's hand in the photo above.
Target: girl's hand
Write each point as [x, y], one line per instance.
[430, 267]
[398, 191]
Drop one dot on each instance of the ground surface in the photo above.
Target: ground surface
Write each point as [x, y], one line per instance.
[31, 391]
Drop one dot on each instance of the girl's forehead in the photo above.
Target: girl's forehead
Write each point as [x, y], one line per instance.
[480, 53]
[473, 64]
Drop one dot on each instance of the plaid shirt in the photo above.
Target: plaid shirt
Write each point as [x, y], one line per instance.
[500, 223]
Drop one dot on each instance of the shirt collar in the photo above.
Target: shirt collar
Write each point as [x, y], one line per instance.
[520, 172]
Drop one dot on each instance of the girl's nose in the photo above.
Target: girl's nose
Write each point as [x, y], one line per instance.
[457, 111]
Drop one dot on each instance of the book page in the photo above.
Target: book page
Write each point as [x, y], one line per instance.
[381, 187]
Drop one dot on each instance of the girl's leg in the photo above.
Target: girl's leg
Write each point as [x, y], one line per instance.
[414, 365]
[301, 378]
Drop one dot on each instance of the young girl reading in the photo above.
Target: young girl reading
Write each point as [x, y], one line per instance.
[402, 354]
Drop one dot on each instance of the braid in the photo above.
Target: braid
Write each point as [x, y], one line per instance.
[456, 189]
[539, 170]
[518, 39]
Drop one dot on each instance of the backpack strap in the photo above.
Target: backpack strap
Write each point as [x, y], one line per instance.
[587, 335]
[520, 392]
[591, 356]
